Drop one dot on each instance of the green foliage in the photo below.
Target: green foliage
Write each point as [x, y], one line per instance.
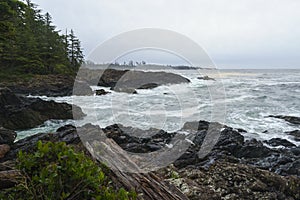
[61, 69]
[31, 44]
[174, 175]
[55, 171]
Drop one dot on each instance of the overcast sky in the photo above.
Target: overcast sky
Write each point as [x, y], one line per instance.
[235, 33]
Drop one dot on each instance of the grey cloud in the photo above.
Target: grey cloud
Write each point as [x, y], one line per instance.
[234, 32]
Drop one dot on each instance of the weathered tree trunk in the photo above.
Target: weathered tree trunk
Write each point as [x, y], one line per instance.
[147, 185]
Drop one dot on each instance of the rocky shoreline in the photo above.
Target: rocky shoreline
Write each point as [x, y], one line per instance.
[19, 113]
[235, 168]
[117, 80]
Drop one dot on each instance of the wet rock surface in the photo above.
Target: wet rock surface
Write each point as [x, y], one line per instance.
[17, 113]
[101, 92]
[290, 119]
[230, 145]
[295, 134]
[206, 78]
[7, 136]
[275, 142]
[128, 90]
[137, 140]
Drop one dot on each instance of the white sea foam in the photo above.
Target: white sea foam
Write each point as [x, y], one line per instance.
[250, 97]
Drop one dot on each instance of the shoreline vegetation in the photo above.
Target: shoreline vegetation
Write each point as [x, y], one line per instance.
[37, 59]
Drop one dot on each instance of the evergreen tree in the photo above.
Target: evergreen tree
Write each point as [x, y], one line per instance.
[75, 51]
[30, 43]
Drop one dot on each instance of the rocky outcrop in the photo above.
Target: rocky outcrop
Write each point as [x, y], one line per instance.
[128, 90]
[48, 85]
[101, 92]
[120, 80]
[226, 180]
[134, 140]
[4, 148]
[7, 136]
[206, 78]
[17, 113]
[275, 142]
[290, 119]
[295, 134]
[235, 168]
[231, 146]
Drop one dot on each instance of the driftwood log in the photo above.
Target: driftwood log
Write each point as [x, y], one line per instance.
[148, 185]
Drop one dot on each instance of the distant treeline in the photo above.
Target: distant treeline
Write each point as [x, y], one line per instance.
[30, 43]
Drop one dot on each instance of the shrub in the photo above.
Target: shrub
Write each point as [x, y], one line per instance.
[55, 171]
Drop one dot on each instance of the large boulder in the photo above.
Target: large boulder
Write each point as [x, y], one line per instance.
[25, 113]
[4, 148]
[125, 90]
[7, 136]
[120, 80]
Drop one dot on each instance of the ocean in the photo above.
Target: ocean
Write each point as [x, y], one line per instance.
[250, 96]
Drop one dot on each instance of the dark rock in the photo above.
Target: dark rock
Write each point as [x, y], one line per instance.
[109, 77]
[8, 98]
[295, 151]
[290, 119]
[137, 140]
[240, 130]
[225, 180]
[31, 112]
[200, 125]
[124, 89]
[101, 92]
[252, 149]
[66, 134]
[119, 80]
[149, 86]
[295, 133]
[82, 88]
[48, 85]
[7, 136]
[4, 148]
[207, 78]
[279, 142]
[232, 147]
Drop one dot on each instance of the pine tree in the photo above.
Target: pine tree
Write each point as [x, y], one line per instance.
[75, 51]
